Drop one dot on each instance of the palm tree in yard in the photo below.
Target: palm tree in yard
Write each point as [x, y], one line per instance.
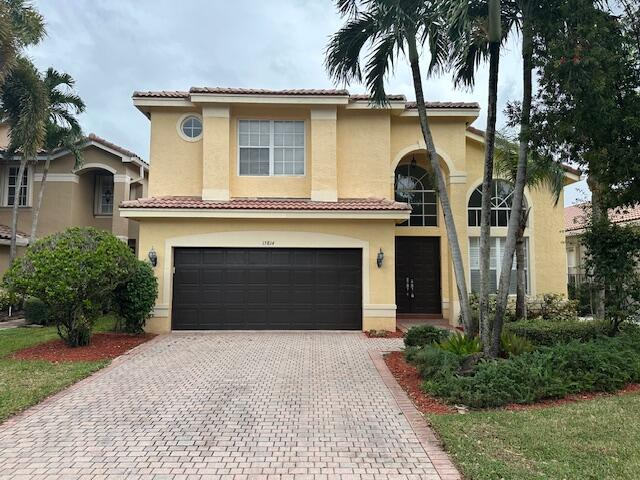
[20, 26]
[381, 31]
[477, 30]
[24, 107]
[62, 130]
[542, 173]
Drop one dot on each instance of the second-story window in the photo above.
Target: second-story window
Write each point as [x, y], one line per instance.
[104, 195]
[271, 147]
[12, 186]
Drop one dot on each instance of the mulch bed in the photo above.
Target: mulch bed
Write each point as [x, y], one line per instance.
[397, 334]
[103, 346]
[409, 379]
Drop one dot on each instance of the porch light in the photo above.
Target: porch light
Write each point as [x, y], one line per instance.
[153, 257]
[380, 258]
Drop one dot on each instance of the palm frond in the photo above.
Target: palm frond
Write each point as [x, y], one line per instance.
[379, 63]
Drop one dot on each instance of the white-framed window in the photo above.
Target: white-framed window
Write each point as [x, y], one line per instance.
[103, 204]
[191, 127]
[414, 185]
[495, 264]
[271, 147]
[11, 187]
[501, 200]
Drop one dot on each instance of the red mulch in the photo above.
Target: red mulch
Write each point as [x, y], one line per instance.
[397, 334]
[409, 379]
[103, 346]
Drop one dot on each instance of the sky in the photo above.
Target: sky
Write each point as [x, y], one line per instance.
[114, 47]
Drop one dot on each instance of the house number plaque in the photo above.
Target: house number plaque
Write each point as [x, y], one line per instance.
[268, 243]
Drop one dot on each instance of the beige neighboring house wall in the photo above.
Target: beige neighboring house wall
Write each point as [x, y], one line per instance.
[351, 151]
[70, 196]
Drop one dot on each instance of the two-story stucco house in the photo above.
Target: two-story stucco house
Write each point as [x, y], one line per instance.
[311, 209]
[86, 196]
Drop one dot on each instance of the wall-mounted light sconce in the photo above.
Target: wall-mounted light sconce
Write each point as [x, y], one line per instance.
[153, 257]
[380, 258]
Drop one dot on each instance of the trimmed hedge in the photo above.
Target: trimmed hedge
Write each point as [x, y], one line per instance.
[422, 335]
[606, 364]
[548, 332]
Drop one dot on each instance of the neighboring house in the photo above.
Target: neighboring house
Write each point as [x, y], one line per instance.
[575, 221]
[287, 210]
[88, 196]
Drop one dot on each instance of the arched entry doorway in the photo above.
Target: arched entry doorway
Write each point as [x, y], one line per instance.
[418, 265]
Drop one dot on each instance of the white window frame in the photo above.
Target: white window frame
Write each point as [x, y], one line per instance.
[272, 148]
[5, 186]
[97, 201]
[181, 121]
[499, 254]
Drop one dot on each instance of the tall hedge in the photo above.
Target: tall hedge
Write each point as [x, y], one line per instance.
[134, 299]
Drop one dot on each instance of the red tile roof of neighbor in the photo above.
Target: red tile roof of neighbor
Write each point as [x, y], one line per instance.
[95, 138]
[343, 204]
[574, 216]
[5, 233]
[413, 105]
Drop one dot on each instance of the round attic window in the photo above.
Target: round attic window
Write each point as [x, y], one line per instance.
[191, 127]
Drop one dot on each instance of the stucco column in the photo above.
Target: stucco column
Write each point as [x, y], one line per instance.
[458, 196]
[121, 188]
[215, 153]
[324, 171]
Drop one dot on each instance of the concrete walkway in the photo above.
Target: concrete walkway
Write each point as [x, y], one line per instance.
[285, 405]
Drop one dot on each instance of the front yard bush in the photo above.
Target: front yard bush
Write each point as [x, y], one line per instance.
[75, 273]
[461, 344]
[605, 364]
[36, 311]
[134, 299]
[422, 335]
[548, 332]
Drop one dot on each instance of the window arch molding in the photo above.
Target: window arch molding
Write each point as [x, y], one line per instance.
[475, 194]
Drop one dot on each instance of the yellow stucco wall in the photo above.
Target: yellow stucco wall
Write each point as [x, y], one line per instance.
[69, 199]
[363, 147]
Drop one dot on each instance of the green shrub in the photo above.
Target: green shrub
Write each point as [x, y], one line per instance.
[134, 299]
[549, 306]
[460, 344]
[75, 273]
[36, 311]
[547, 332]
[605, 364]
[514, 345]
[431, 361]
[422, 335]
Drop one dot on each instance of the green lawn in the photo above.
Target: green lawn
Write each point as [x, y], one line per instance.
[26, 382]
[596, 439]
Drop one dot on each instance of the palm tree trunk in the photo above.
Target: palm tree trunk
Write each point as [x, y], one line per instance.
[13, 249]
[518, 192]
[38, 206]
[521, 290]
[452, 236]
[598, 213]
[485, 215]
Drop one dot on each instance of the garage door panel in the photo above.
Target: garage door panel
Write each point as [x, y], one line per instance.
[240, 288]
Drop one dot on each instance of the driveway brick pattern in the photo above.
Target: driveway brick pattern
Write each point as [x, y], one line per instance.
[225, 406]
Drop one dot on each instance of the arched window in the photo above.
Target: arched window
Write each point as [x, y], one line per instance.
[501, 200]
[414, 185]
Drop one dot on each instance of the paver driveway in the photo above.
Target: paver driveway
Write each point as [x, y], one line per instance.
[225, 405]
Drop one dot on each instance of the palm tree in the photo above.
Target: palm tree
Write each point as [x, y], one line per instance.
[542, 172]
[24, 107]
[477, 30]
[62, 130]
[390, 28]
[20, 26]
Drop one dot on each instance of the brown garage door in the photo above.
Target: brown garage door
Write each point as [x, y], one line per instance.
[267, 288]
